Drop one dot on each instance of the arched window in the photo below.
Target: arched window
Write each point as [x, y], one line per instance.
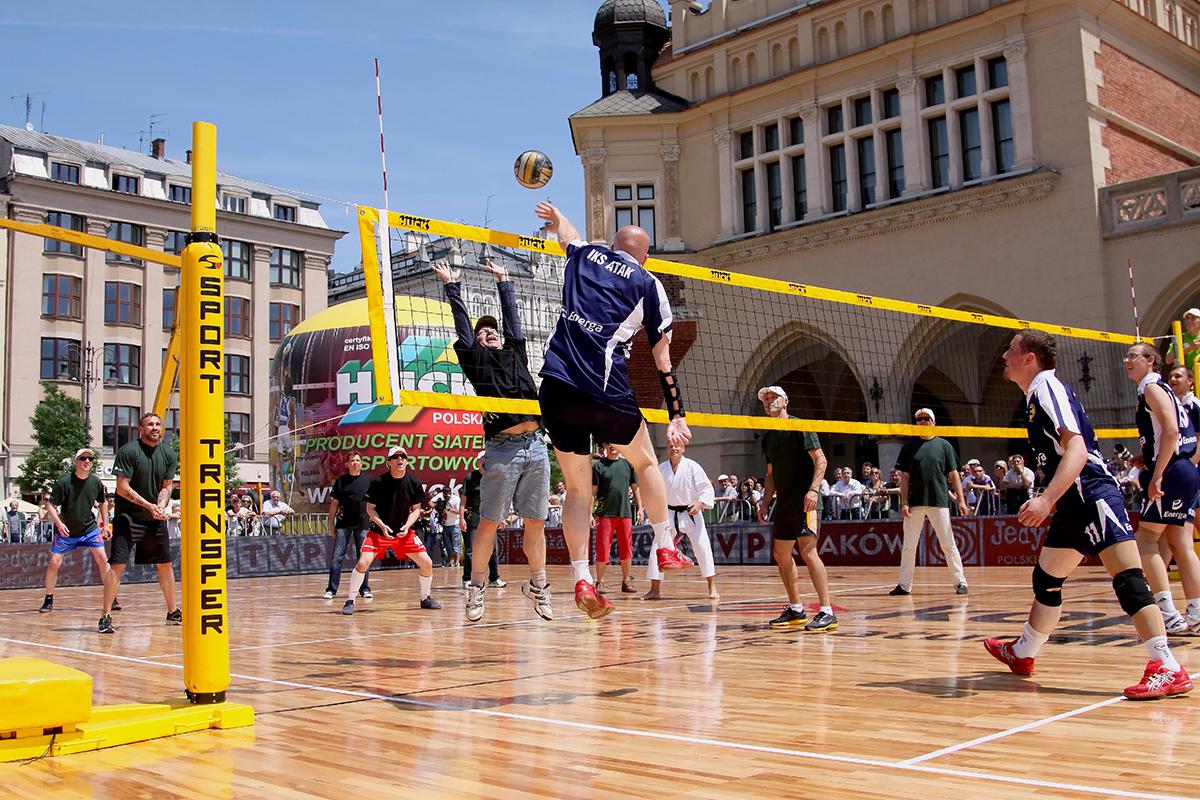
[631, 72]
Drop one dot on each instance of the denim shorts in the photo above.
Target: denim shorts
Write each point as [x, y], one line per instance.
[516, 472]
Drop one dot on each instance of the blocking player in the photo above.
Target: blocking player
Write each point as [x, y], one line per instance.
[689, 493]
[394, 505]
[795, 469]
[77, 495]
[515, 464]
[1171, 485]
[607, 297]
[1088, 519]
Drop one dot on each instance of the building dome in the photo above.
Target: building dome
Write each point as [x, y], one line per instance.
[613, 12]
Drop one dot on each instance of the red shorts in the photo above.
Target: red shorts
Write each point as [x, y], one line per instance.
[605, 528]
[402, 546]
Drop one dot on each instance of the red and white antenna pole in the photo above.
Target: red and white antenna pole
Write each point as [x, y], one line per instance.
[385, 256]
[1137, 325]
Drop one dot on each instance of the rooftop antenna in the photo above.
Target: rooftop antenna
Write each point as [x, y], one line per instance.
[42, 123]
[142, 135]
[29, 105]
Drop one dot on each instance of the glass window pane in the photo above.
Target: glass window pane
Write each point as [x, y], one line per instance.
[646, 222]
[833, 119]
[774, 197]
[972, 147]
[965, 81]
[862, 111]
[799, 187]
[866, 170]
[770, 138]
[891, 103]
[895, 155]
[935, 90]
[746, 144]
[624, 217]
[939, 153]
[837, 176]
[796, 131]
[623, 192]
[645, 191]
[997, 72]
[749, 202]
[1002, 131]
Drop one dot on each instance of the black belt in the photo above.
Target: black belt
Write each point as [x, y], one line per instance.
[676, 511]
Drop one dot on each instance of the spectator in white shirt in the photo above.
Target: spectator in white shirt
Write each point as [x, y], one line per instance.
[1017, 485]
[849, 495]
[274, 511]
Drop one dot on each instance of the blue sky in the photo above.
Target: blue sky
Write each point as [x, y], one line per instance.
[468, 84]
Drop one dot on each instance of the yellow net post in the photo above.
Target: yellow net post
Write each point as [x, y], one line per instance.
[202, 430]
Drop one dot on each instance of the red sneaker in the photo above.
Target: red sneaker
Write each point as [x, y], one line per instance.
[590, 602]
[1003, 652]
[673, 559]
[1158, 681]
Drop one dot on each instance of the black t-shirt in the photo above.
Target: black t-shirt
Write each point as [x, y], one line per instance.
[351, 493]
[791, 465]
[75, 499]
[393, 498]
[146, 468]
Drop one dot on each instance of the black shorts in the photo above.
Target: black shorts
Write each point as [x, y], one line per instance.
[147, 539]
[791, 524]
[573, 417]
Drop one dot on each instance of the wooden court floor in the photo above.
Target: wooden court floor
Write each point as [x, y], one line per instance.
[667, 699]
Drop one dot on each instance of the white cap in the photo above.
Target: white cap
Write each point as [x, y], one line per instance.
[722, 477]
[928, 411]
[772, 390]
[974, 462]
[81, 451]
[397, 451]
[1192, 312]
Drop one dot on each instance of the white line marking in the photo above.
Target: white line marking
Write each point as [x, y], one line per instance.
[1019, 729]
[670, 737]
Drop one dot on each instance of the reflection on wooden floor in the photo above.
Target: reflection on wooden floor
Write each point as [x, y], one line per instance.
[667, 699]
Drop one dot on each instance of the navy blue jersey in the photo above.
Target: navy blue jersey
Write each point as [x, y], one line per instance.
[1150, 431]
[1192, 406]
[607, 298]
[1051, 407]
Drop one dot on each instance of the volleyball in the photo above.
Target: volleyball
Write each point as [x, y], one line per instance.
[533, 169]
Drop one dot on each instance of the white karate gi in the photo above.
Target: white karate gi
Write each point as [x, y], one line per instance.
[685, 487]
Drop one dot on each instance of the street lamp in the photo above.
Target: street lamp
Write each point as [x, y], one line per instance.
[90, 358]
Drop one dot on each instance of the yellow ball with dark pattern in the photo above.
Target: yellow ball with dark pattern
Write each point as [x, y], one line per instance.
[533, 169]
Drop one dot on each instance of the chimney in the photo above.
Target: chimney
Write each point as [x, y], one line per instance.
[188, 156]
[158, 147]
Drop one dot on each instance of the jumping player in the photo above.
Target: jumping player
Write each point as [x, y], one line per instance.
[689, 493]
[1088, 518]
[795, 469]
[1171, 486]
[515, 465]
[394, 506]
[607, 297]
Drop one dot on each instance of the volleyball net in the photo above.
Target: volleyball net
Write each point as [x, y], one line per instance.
[850, 363]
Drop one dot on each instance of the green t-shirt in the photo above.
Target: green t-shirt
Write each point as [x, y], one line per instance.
[612, 480]
[75, 498]
[146, 468]
[1188, 341]
[791, 465]
[927, 463]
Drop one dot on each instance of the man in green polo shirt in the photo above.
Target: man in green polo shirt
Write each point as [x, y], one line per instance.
[928, 472]
[1191, 341]
[145, 472]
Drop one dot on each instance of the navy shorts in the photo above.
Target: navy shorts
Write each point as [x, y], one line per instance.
[573, 418]
[790, 524]
[1177, 506]
[1092, 526]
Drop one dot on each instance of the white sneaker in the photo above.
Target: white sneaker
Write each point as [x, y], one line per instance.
[467, 585]
[328, 595]
[540, 598]
[499, 583]
[474, 604]
[1193, 624]
[1176, 624]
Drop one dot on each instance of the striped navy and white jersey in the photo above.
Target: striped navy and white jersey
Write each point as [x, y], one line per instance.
[607, 298]
[1150, 431]
[1192, 405]
[1050, 408]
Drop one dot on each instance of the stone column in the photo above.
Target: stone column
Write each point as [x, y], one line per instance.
[593, 167]
[814, 162]
[673, 239]
[723, 139]
[916, 177]
[1018, 93]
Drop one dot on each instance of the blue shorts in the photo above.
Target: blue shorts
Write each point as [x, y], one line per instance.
[65, 544]
[1092, 526]
[516, 473]
[1177, 506]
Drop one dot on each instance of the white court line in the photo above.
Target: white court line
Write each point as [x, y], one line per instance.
[670, 737]
[1001, 734]
[533, 619]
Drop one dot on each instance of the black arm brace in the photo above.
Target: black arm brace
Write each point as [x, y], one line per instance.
[670, 388]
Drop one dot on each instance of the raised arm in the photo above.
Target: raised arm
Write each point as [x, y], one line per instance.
[453, 291]
[557, 223]
[510, 320]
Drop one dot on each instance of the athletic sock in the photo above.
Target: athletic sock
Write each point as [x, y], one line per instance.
[356, 582]
[1159, 649]
[1165, 603]
[479, 578]
[1030, 642]
[662, 535]
[797, 607]
[426, 582]
[538, 578]
[827, 610]
[583, 571]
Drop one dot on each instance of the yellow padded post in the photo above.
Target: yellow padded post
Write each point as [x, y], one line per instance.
[36, 694]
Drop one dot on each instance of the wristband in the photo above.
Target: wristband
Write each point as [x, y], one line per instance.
[670, 388]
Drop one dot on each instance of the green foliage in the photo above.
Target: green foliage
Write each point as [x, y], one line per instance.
[58, 431]
[555, 469]
[232, 479]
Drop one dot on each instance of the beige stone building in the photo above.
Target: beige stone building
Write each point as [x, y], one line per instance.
[97, 324]
[994, 156]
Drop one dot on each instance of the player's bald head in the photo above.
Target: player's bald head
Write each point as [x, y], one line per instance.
[633, 240]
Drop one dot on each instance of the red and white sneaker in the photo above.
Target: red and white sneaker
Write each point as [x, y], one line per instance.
[1003, 652]
[590, 602]
[1158, 681]
[673, 559]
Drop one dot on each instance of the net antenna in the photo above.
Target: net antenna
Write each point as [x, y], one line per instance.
[1137, 325]
[384, 237]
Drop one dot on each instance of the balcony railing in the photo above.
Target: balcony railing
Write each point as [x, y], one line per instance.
[1151, 203]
